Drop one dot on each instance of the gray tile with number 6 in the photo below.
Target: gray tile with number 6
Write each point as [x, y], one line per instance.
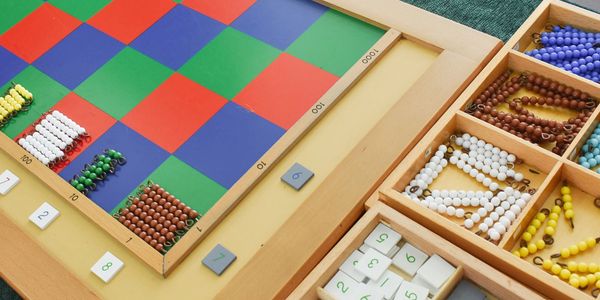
[219, 259]
[297, 176]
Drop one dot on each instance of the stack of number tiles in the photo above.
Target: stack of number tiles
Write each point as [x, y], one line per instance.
[189, 89]
[54, 134]
[385, 267]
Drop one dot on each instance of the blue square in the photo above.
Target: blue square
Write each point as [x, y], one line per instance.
[143, 157]
[78, 56]
[279, 22]
[10, 66]
[229, 144]
[177, 36]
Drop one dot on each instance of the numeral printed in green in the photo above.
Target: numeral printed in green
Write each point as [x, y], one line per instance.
[372, 263]
[342, 287]
[410, 295]
[410, 258]
[107, 266]
[221, 256]
[382, 237]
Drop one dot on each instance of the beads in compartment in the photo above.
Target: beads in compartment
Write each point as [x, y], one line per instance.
[53, 135]
[15, 100]
[525, 124]
[571, 49]
[97, 171]
[157, 216]
[590, 152]
[493, 209]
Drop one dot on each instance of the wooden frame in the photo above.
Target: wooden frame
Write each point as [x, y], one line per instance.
[463, 52]
[556, 167]
[480, 273]
[338, 202]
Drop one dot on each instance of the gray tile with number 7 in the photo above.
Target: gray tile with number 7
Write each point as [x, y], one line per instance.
[219, 259]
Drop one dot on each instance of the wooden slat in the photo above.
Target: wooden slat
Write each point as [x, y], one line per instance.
[32, 272]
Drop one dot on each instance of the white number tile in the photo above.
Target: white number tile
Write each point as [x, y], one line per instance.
[107, 267]
[411, 291]
[409, 259]
[383, 238]
[435, 271]
[341, 286]
[388, 284]
[44, 215]
[349, 266]
[373, 264]
[363, 292]
[8, 180]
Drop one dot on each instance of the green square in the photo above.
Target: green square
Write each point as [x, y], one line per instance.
[123, 82]
[80, 9]
[14, 11]
[229, 62]
[335, 42]
[184, 182]
[46, 92]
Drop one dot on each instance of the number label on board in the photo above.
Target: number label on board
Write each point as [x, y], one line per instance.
[261, 165]
[370, 56]
[317, 108]
[73, 197]
[342, 287]
[26, 159]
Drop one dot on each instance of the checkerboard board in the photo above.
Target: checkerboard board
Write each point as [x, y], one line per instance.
[192, 92]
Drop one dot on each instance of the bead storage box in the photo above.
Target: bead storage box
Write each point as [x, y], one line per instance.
[546, 117]
[453, 266]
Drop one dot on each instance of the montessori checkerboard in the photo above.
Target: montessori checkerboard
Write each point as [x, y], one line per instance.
[192, 92]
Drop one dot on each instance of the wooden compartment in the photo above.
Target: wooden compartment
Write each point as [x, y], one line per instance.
[496, 284]
[554, 167]
[585, 189]
[553, 12]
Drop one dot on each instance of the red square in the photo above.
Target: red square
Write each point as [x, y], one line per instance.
[38, 32]
[173, 112]
[224, 11]
[95, 122]
[285, 90]
[125, 20]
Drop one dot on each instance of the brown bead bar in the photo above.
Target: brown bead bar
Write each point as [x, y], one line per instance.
[157, 217]
[525, 124]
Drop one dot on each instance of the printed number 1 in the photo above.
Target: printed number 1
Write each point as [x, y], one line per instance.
[5, 181]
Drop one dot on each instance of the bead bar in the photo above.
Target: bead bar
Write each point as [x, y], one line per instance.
[15, 100]
[97, 171]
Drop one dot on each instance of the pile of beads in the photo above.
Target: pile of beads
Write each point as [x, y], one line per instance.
[98, 170]
[157, 217]
[16, 99]
[570, 49]
[525, 124]
[590, 151]
[54, 134]
[496, 209]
